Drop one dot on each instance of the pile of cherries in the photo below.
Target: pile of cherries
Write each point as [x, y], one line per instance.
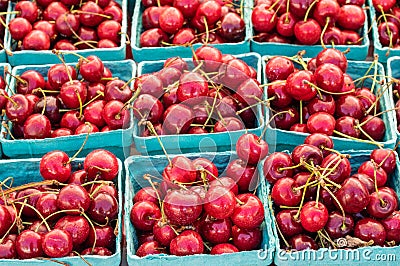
[388, 22]
[193, 207]
[66, 25]
[72, 212]
[220, 94]
[321, 97]
[64, 103]
[319, 199]
[182, 22]
[303, 22]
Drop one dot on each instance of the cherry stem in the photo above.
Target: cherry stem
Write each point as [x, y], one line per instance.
[301, 111]
[323, 32]
[337, 202]
[8, 130]
[309, 9]
[271, 119]
[71, 52]
[281, 169]
[148, 178]
[207, 33]
[76, 34]
[61, 57]
[91, 13]
[380, 145]
[383, 203]
[153, 131]
[327, 92]
[83, 144]
[30, 185]
[306, 185]
[25, 204]
[82, 258]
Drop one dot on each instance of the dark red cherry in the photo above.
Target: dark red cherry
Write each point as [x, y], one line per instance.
[369, 229]
[29, 245]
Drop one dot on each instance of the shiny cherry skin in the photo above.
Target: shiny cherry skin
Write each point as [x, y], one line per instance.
[73, 197]
[182, 207]
[372, 170]
[104, 236]
[248, 214]
[321, 141]
[385, 158]
[19, 109]
[307, 32]
[298, 85]
[219, 202]
[339, 226]
[274, 164]
[287, 223]
[283, 192]
[321, 122]
[313, 216]
[381, 204]
[101, 164]
[180, 170]
[141, 212]
[216, 231]
[374, 126]
[223, 248]
[302, 242]
[246, 239]
[77, 226]
[226, 182]
[307, 153]
[348, 126]
[46, 205]
[342, 166]
[177, 119]
[29, 245]
[245, 175]
[278, 68]
[205, 167]
[103, 208]
[37, 126]
[369, 229]
[149, 248]
[188, 242]
[251, 149]
[5, 219]
[55, 166]
[392, 226]
[333, 56]
[57, 243]
[353, 196]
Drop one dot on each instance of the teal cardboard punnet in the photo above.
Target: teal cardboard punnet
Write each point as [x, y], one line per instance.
[374, 255]
[158, 53]
[393, 71]
[287, 140]
[6, 77]
[356, 52]
[31, 57]
[185, 143]
[27, 170]
[154, 165]
[116, 141]
[383, 52]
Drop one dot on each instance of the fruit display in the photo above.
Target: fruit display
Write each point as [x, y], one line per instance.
[62, 100]
[181, 22]
[330, 95]
[69, 208]
[326, 199]
[65, 25]
[393, 75]
[197, 203]
[212, 93]
[288, 27]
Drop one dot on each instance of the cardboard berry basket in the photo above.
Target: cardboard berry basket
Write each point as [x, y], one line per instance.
[185, 143]
[154, 165]
[287, 140]
[116, 141]
[3, 66]
[393, 71]
[27, 170]
[158, 53]
[383, 52]
[31, 57]
[356, 52]
[372, 255]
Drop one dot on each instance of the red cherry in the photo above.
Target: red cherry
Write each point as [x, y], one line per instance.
[283, 192]
[219, 202]
[352, 196]
[223, 248]
[313, 216]
[251, 149]
[101, 164]
[29, 245]
[246, 239]
[321, 122]
[73, 197]
[141, 213]
[298, 85]
[182, 207]
[57, 243]
[55, 166]
[369, 229]
[188, 242]
[307, 32]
